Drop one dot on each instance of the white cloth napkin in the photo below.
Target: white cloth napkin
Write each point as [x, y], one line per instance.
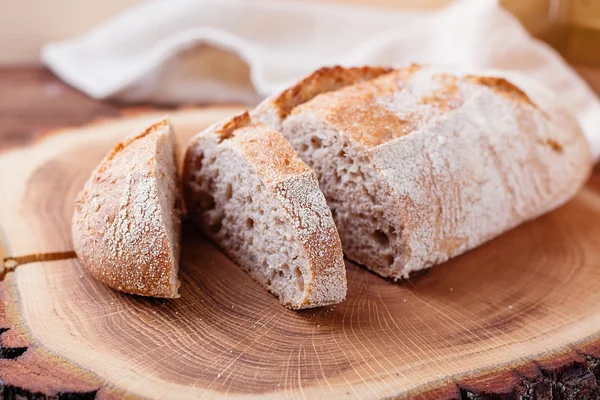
[182, 51]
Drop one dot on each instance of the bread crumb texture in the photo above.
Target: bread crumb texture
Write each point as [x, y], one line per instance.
[261, 204]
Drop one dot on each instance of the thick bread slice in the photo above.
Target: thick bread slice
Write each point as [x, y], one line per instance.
[126, 226]
[422, 164]
[250, 192]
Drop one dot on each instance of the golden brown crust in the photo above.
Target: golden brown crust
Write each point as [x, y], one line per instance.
[267, 150]
[501, 86]
[447, 96]
[321, 243]
[129, 140]
[365, 111]
[323, 80]
[118, 225]
[269, 153]
[237, 122]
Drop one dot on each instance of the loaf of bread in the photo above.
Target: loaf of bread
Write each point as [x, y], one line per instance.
[253, 196]
[421, 164]
[126, 225]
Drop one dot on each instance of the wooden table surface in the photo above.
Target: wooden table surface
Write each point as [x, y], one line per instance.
[34, 103]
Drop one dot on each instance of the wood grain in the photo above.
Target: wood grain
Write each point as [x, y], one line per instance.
[515, 318]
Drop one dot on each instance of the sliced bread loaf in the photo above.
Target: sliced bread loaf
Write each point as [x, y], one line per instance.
[421, 164]
[254, 197]
[126, 225]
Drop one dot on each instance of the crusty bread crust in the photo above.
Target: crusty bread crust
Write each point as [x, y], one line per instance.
[462, 158]
[327, 79]
[295, 187]
[120, 232]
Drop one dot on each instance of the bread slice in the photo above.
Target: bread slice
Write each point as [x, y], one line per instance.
[126, 226]
[422, 163]
[254, 197]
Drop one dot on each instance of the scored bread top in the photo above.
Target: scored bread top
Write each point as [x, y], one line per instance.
[119, 230]
[273, 110]
[324, 80]
[374, 105]
[403, 101]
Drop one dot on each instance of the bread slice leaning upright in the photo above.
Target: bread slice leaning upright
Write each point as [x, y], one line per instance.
[254, 197]
[126, 225]
[423, 163]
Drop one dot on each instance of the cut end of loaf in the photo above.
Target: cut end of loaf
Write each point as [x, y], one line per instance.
[126, 225]
[262, 206]
[364, 207]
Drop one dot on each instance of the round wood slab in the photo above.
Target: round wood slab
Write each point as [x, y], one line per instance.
[516, 318]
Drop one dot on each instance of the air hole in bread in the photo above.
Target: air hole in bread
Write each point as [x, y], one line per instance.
[284, 270]
[392, 233]
[375, 217]
[554, 145]
[197, 164]
[341, 153]
[228, 192]
[369, 194]
[336, 177]
[304, 147]
[206, 201]
[249, 223]
[389, 259]
[381, 238]
[316, 142]
[299, 278]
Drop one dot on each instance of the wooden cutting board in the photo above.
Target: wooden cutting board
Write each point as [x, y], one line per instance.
[518, 316]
